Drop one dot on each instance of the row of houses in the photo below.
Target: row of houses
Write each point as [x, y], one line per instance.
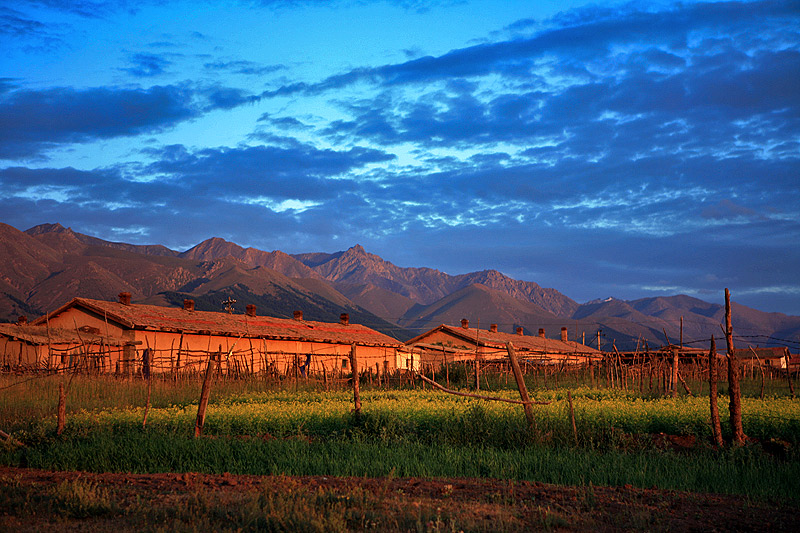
[125, 338]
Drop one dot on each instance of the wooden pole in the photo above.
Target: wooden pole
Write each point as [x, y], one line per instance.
[477, 360]
[201, 409]
[761, 367]
[734, 388]
[789, 372]
[523, 389]
[447, 368]
[62, 409]
[572, 417]
[148, 355]
[716, 426]
[479, 396]
[674, 384]
[178, 361]
[356, 391]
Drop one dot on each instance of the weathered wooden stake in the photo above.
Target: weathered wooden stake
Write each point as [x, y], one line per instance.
[201, 409]
[356, 391]
[523, 389]
[447, 368]
[734, 388]
[789, 373]
[62, 409]
[716, 426]
[674, 373]
[572, 417]
[760, 367]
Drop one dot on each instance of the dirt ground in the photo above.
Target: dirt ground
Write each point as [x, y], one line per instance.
[490, 505]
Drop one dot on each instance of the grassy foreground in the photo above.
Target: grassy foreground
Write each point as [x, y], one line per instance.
[409, 434]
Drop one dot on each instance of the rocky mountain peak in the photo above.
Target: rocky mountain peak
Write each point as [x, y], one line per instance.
[48, 228]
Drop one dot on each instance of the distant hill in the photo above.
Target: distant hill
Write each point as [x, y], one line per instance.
[49, 264]
[425, 285]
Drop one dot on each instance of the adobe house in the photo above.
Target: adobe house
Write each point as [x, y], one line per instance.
[170, 338]
[776, 357]
[465, 343]
[26, 347]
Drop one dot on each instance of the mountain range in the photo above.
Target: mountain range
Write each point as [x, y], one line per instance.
[49, 264]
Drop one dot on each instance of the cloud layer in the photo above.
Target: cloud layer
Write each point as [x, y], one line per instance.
[627, 151]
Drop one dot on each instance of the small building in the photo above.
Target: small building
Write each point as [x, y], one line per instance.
[777, 357]
[170, 339]
[451, 344]
[29, 348]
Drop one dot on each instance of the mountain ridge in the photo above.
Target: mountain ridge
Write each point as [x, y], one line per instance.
[48, 264]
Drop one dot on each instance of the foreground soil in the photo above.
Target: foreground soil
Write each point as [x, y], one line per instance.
[35, 500]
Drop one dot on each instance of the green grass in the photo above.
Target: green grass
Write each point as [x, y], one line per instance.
[250, 430]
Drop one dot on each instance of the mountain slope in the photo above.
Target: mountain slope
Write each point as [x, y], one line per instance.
[56, 233]
[425, 285]
[47, 265]
[480, 305]
[216, 248]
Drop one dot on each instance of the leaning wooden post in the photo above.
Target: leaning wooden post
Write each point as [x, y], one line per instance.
[716, 427]
[201, 409]
[572, 417]
[789, 371]
[356, 391]
[523, 390]
[62, 409]
[674, 372]
[734, 389]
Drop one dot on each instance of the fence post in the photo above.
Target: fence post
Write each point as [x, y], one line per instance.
[523, 389]
[201, 409]
[572, 417]
[62, 409]
[356, 391]
[674, 378]
[716, 427]
[734, 388]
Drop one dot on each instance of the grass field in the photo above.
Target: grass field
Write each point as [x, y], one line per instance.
[404, 433]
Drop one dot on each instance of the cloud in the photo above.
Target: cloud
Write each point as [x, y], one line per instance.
[31, 121]
[727, 209]
[295, 172]
[16, 27]
[249, 68]
[147, 65]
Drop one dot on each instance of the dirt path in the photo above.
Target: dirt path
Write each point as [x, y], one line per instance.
[472, 504]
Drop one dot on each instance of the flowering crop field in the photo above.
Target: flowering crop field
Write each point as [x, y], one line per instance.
[424, 433]
[432, 415]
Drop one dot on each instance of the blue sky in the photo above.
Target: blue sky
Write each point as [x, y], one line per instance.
[622, 149]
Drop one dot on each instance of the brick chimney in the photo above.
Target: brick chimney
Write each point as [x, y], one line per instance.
[541, 332]
[493, 328]
[22, 320]
[465, 323]
[344, 319]
[250, 309]
[125, 298]
[519, 331]
[298, 315]
[188, 305]
[564, 334]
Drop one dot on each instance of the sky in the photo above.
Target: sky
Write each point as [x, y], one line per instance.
[602, 149]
